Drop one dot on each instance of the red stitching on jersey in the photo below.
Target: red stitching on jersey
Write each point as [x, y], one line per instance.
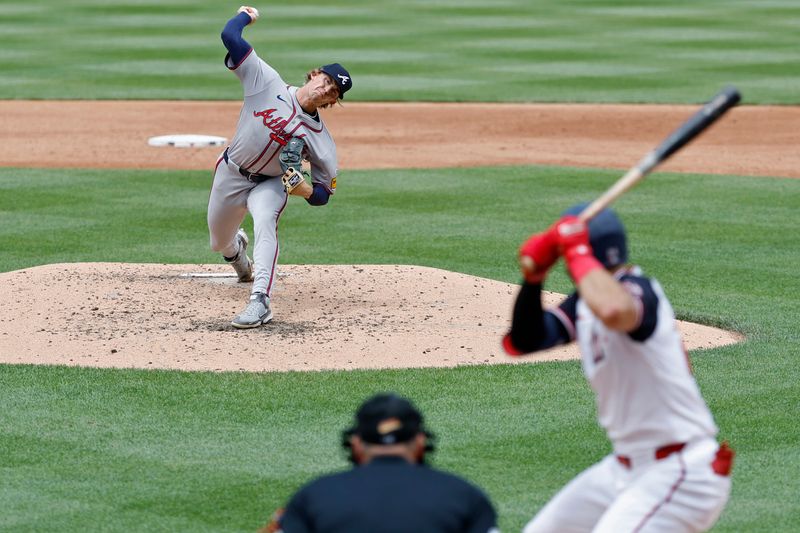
[672, 490]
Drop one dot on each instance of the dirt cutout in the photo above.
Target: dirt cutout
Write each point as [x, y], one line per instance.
[754, 141]
[326, 316]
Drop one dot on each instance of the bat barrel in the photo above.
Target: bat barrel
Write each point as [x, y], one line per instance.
[702, 119]
[697, 123]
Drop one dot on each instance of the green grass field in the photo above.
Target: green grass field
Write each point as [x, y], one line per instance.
[445, 50]
[127, 450]
[121, 450]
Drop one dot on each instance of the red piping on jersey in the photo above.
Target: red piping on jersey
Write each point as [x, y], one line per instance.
[299, 118]
[277, 151]
[214, 176]
[639, 311]
[237, 65]
[672, 490]
[277, 244]
[628, 269]
[311, 127]
[261, 154]
[564, 319]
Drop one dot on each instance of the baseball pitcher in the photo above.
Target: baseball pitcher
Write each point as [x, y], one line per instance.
[279, 127]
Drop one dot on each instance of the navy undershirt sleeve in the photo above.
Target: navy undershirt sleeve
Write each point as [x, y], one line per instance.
[533, 328]
[319, 196]
[232, 37]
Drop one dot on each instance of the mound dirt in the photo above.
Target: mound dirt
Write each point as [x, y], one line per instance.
[326, 317]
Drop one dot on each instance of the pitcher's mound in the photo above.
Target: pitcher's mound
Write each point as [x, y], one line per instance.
[326, 317]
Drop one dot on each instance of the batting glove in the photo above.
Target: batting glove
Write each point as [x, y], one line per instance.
[538, 254]
[573, 243]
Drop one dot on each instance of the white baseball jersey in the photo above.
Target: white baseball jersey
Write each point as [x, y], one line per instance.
[647, 399]
[270, 116]
[646, 394]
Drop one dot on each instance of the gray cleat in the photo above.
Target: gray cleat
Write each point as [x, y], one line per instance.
[241, 263]
[255, 314]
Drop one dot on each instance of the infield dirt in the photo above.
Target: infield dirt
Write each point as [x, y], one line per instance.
[148, 316]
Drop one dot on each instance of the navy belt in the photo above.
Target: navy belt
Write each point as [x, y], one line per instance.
[249, 176]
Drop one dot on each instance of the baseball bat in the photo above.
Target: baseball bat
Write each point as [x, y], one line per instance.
[702, 119]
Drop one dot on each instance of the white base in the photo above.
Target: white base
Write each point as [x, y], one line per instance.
[187, 141]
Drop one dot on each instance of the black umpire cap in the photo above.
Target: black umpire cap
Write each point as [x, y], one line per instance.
[387, 419]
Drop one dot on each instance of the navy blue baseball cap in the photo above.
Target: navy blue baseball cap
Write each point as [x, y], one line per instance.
[340, 76]
[606, 235]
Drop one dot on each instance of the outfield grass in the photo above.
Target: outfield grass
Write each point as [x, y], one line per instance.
[133, 450]
[673, 51]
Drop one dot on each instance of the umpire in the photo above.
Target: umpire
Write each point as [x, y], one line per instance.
[389, 489]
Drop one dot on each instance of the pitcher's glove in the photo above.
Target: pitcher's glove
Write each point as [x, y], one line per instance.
[291, 160]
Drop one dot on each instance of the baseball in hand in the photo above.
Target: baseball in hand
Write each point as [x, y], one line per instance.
[253, 12]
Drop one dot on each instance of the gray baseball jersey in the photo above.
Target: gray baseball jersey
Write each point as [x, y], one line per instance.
[270, 116]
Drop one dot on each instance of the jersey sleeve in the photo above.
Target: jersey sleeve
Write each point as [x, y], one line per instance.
[232, 38]
[254, 74]
[324, 170]
[646, 299]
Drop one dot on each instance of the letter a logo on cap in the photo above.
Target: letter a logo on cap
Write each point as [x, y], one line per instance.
[344, 78]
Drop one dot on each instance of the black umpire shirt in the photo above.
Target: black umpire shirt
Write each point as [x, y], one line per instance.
[389, 495]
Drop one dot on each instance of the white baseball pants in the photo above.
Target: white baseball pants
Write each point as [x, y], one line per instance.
[680, 493]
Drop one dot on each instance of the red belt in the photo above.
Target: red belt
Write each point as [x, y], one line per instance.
[661, 453]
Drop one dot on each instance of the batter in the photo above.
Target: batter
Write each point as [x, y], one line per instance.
[247, 176]
[666, 472]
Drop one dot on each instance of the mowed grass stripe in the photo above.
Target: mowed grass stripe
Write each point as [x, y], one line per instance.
[504, 51]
